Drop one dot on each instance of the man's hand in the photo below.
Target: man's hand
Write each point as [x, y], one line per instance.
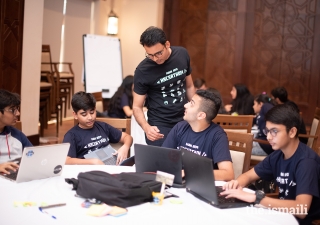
[239, 194]
[233, 184]
[153, 133]
[4, 167]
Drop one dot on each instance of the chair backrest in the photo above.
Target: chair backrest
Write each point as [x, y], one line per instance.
[240, 145]
[46, 60]
[315, 131]
[115, 122]
[99, 100]
[241, 123]
[18, 125]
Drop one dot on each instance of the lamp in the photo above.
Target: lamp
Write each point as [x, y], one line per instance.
[112, 23]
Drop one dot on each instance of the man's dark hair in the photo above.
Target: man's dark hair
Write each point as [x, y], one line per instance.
[152, 36]
[8, 99]
[198, 83]
[280, 93]
[210, 104]
[84, 101]
[284, 114]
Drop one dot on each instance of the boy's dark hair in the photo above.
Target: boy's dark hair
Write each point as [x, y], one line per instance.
[284, 114]
[210, 104]
[280, 93]
[8, 99]
[83, 100]
[198, 82]
[152, 36]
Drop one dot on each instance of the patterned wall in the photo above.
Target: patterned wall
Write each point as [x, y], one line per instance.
[262, 43]
[11, 27]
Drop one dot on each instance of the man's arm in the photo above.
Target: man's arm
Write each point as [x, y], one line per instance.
[152, 132]
[190, 87]
[126, 139]
[76, 161]
[242, 181]
[225, 171]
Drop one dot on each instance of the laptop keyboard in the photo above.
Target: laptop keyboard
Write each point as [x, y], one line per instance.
[221, 198]
[12, 175]
[111, 161]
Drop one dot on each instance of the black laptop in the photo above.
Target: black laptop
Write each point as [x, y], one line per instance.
[200, 181]
[150, 158]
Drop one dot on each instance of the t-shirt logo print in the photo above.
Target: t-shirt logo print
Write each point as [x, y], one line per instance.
[175, 94]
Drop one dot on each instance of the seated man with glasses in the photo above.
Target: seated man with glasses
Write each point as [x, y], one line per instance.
[163, 79]
[293, 165]
[12, 141]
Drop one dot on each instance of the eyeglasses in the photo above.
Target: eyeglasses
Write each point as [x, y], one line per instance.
[273, 132]
[157, 54]
[13, 110]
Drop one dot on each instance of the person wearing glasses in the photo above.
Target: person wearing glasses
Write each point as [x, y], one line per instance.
[293, 165]
[12, 141]
[163, 79]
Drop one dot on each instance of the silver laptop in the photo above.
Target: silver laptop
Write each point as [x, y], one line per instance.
[105, 154]
[39, 162]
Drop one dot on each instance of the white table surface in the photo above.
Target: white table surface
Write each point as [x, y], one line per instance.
[56, 190]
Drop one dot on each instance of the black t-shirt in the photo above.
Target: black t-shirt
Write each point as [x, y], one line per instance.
[165, 87]
[300, 174]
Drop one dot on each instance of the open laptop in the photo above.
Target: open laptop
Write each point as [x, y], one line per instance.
[39, 162]
[105, 154]
[150, 158]
[200, 181]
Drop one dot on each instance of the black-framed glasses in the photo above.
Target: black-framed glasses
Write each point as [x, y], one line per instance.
[13, 110]
[157, 54]
[273, 132]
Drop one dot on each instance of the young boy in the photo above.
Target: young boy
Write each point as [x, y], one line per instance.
[199, 134]
[12, 141]
[294, 166]
[90, 135]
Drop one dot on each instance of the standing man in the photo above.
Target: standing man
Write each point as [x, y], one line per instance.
[164, 79]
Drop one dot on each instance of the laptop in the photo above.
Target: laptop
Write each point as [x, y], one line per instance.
[39, 162]
[105, 154]
[200, 181]
[150, 158]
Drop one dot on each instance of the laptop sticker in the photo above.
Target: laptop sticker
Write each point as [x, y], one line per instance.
[57, 169]
[29, 153]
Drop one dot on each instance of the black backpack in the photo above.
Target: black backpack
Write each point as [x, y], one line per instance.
[123, 190]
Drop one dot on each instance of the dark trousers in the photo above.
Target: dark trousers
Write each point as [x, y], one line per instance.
[163, 130]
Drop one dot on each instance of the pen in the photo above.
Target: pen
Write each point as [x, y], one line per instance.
[52, 206]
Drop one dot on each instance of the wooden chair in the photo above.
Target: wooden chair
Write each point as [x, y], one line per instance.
[313, 136]
[241, 123]
[18, 125]
[240, 145]
[65, 76]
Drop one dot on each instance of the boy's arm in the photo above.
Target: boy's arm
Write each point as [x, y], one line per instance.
[242, 181]
[127, 140]
[225, 171]
[77, 161]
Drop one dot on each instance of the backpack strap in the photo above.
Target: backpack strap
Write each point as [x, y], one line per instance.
[73, 181]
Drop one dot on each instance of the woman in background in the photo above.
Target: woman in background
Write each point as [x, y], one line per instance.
[262, 104]
[242, 101]
[120, 105]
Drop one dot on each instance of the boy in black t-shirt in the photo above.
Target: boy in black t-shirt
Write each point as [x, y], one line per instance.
[90, 135]
[294, 166]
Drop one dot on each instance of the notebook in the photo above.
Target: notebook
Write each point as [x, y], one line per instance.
[200, 181]
[39, 162]
[105, 154]
[150, 158]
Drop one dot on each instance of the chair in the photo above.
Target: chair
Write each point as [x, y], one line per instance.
[64, 78]
[313, 136]
[18, 125]
[240, 145]
[241, 123]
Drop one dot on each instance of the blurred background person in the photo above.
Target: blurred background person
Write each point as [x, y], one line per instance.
[242, 101]
[199, 83]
